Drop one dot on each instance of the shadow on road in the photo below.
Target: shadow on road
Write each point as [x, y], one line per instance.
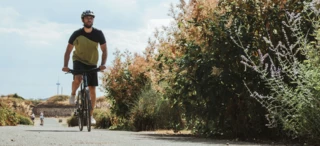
[53, 130]
[192, 139]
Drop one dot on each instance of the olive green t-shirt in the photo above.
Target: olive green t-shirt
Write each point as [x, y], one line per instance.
[86, 45]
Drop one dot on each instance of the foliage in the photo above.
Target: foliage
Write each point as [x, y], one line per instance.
[7, 116]
[293, 80]
[152, 112]
[124, 80]
[103, 118]
[24, 120]
[72, 121]
[14, 110]
[202, 66]
[193, 68]
[17, 96]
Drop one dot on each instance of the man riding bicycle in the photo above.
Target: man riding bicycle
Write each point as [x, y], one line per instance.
[85, 56]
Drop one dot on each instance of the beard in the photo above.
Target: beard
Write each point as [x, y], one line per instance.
[87, 25]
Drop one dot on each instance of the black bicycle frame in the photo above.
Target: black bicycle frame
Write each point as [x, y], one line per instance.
[85, 82]
[84, 74]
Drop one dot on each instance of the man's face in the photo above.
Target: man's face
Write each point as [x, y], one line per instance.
[88, 21]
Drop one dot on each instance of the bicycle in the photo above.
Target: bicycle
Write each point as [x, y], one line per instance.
[83, 103]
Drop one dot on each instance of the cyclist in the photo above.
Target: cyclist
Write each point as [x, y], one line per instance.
[85, 56]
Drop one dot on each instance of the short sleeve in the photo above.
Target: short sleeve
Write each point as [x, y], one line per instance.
[102, 39]
[72, 38]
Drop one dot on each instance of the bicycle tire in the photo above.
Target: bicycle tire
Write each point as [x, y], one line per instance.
[88, 109]
[80, 113]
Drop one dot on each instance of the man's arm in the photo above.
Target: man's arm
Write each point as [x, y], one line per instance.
[67, 55]
[104, 54]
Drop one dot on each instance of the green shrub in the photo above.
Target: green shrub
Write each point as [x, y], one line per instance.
[7, 116]
[143, 116]
[72, 121]
[102, 117]
[23, 120]
[152, 112]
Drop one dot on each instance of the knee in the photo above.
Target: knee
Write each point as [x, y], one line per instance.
[78, 79]
[92, 89]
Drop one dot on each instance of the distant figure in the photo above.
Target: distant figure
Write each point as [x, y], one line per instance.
[32, 117]
[41, 118]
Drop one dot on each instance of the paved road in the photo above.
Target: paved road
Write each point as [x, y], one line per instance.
[53, 133]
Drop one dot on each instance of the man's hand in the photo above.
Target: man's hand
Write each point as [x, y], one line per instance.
[102, 67]
[65, 69]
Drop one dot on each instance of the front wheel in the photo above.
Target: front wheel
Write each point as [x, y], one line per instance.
[80, 116]
[88, 109]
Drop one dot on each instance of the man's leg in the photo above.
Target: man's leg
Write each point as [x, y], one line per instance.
[92, 90]
[75, 85]
[77, 79]
[92, 83]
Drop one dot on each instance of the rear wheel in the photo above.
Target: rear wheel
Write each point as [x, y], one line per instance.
[80, 120]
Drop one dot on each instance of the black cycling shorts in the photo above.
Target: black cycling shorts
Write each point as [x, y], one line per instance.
[91, 77]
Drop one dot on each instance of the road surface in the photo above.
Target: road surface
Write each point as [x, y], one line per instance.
[54, 133]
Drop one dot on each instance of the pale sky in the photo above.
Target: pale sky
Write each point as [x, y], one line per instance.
[34, 36]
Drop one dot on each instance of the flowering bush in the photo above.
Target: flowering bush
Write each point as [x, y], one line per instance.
[291, 71]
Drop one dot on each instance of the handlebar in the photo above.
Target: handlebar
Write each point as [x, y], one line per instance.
[83, 71]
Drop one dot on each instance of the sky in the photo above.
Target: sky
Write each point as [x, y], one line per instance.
[34, 35]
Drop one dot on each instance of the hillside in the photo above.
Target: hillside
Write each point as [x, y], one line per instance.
[14, 110]
[56, 100]
[17, 103]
